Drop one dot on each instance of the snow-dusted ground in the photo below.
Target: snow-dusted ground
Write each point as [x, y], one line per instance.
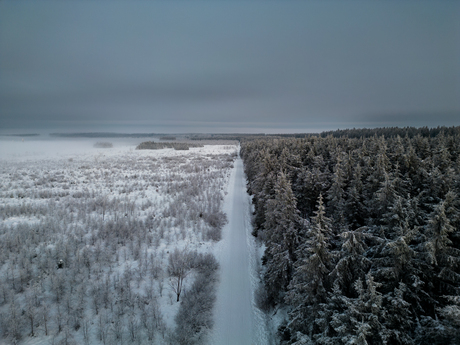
[77, 190]
[237, 320]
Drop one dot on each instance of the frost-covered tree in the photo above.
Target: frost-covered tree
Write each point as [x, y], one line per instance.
[309, 185]
[309, 283]
[178, 269]
[355, 211]
[398, 318]
[336, 193]
[438, 231]
[442, 252]
[365, 315]
[31, 312]
[283, 226]
[352, 264]
[451, 315]
[263, 188]
[383, 197]
[398, 188]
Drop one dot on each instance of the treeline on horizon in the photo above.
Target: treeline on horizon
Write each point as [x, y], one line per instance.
[350, 133]
[21, 135]
[103, 135]
[391, 132]
[361, 230]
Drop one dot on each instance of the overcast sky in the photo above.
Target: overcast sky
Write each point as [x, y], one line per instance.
[228, 66]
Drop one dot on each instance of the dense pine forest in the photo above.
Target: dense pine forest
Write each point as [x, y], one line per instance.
[361, 234]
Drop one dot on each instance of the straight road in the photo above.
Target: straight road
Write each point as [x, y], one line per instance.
[233, 313]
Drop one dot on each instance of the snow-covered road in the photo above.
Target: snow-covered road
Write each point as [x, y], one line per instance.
[236, 320]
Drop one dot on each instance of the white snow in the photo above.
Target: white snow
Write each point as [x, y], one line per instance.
[237, 320]
[50, 174]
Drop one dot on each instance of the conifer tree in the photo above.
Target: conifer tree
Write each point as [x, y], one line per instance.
[282, 227]
[383, 198]
[442, 253]
[401, 222]
[352, 265]
[308, 287]
[398, 317]
[355, 210]
[336, 192]
[451, 315]
[365, 314]
[439, 229]
[263, 187]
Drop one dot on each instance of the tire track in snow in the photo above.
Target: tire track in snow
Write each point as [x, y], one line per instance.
[237, 322]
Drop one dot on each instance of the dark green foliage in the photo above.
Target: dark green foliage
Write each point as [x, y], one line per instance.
[379, 260]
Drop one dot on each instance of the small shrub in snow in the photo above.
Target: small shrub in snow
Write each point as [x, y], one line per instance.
[261, 299]
[216, 222]
[194, 318]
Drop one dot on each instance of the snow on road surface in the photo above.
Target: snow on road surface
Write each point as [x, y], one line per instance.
[237, 321]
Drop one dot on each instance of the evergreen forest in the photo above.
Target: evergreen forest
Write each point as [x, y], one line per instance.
[361, 234]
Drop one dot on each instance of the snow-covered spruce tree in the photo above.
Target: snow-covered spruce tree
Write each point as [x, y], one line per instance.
[263, 187]
[336, 194]
[378, 180]
[332, 323]
[365, 315]
[310, 184]
[283, 226]
[397, 156]
[308, 287]
[451, 315]
[398, 317]
[383, 198]
[444, 257]
[435, 184]
[441, 275]
[439, 229]
[352, 264]
[355, 211]
[332, 320]
[394, 186]
[399, 268]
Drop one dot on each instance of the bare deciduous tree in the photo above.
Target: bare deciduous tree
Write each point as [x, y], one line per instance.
[178, 269]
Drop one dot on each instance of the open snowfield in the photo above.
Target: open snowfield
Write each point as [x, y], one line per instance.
[87, 234]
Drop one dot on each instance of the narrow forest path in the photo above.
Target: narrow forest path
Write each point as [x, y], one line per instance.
[236, 320]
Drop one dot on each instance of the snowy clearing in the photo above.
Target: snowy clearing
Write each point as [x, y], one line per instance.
[87, 236]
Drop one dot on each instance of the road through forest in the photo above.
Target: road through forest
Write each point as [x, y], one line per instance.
[236, 320]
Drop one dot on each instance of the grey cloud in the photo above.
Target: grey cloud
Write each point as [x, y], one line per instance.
[276, 65]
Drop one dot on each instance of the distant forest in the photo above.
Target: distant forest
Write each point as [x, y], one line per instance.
[151, 145]
[103, 135]
[361, 230]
